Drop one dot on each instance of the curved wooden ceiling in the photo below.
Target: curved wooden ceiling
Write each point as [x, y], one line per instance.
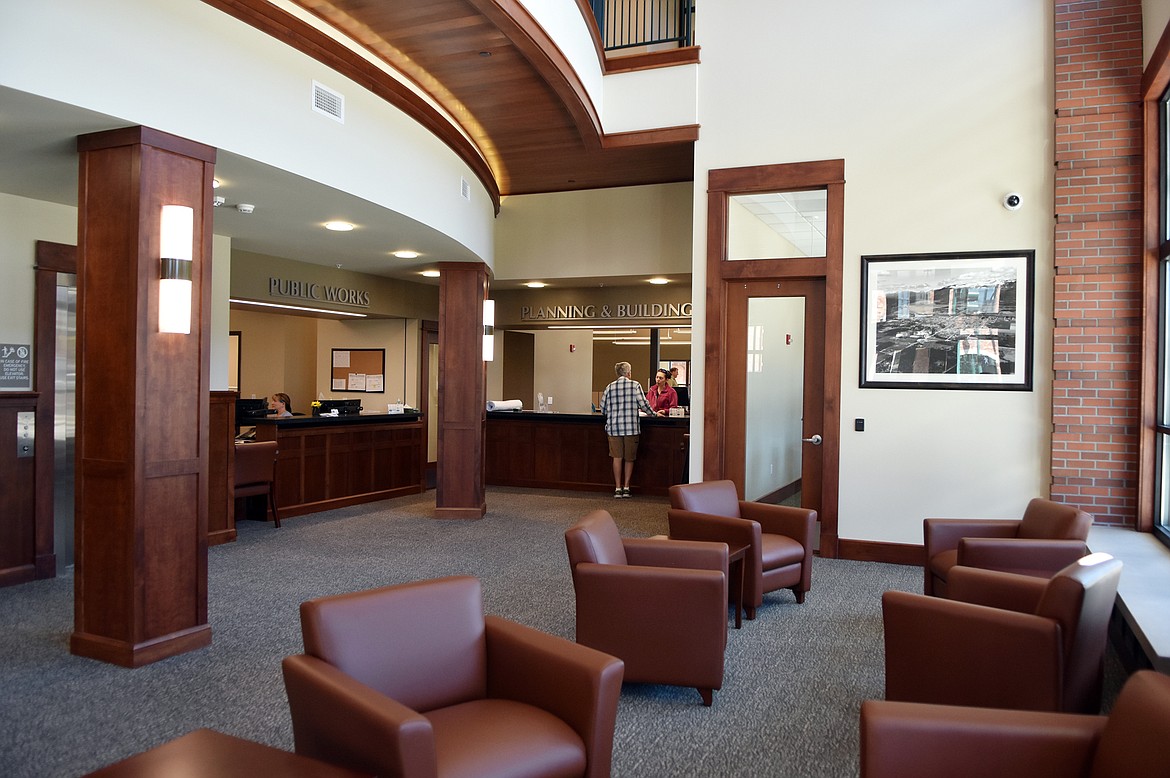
[531, 125]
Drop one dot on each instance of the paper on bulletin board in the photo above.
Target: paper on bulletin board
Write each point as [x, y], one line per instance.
[341, 359]
[357, 382]
[339, 384]
[374, 383]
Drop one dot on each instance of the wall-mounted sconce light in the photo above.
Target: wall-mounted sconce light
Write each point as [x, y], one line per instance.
[489, 330]
[176, 246]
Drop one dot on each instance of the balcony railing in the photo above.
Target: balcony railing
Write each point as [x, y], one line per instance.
[627, 24]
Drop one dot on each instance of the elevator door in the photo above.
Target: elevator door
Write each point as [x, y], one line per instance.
[64, 404]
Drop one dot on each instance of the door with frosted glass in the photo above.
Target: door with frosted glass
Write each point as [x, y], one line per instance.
[775, 390]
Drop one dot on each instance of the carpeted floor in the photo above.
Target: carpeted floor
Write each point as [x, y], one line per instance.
[794, 680]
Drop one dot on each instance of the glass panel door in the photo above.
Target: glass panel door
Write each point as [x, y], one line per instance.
[775, 399]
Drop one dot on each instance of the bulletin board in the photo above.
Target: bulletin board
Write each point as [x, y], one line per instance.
[358, 370]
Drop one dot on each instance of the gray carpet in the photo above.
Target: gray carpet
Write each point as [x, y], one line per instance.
[795, 677]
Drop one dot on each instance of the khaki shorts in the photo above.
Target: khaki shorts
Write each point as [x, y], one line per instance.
[623, 447]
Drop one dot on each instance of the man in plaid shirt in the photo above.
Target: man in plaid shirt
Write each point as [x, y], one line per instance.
[620, 403]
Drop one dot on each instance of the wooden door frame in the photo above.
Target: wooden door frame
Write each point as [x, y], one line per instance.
[722, 184]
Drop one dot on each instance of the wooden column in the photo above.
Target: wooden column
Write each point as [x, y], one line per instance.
[142, 404]
[459, 490]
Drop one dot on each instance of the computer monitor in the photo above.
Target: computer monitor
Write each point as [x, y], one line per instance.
[247, 411]
[684, 396]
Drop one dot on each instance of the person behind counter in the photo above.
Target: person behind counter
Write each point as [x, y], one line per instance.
[620, 402]
[662, 396]
[282, 404]
[673, 380]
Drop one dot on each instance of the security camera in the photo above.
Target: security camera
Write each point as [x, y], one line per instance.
[1012, 201]
[245, 207]
[218, 201]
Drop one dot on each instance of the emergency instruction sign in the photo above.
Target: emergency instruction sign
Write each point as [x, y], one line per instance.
[15, 366]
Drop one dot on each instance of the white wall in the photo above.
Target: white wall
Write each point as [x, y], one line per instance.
[221, 285]
[937, 109]
[189, 69]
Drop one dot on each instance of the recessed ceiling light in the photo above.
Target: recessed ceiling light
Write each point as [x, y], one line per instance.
[658, 281]
[430, 273]
[405, 254]
[536, 284]
[338, 226]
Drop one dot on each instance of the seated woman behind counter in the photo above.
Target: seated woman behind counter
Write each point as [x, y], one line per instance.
[282, 404]
[662, 396]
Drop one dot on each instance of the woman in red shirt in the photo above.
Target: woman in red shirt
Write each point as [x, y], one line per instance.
[662, 396]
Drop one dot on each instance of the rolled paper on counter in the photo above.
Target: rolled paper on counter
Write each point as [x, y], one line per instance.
[505, 405]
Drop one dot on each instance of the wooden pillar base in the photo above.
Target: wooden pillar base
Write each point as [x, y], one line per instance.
[117, 652]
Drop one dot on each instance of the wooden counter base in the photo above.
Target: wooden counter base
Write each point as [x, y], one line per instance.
[570, 451]
[330, 463]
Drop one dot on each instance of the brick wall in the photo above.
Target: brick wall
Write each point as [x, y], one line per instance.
[1098, 249]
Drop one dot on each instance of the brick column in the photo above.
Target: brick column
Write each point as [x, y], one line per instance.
[1098, 252]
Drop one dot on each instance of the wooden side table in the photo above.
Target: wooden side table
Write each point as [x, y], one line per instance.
[735, 575]
[211, 753]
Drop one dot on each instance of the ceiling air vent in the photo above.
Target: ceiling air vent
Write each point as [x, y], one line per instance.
[328, 102]
[465, 189]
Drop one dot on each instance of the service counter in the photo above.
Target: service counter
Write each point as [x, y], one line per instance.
[330, 462]
[570, 451]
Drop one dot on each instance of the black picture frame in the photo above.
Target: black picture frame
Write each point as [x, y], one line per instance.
[955, 320]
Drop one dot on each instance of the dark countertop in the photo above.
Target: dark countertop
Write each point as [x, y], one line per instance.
[586, 418]
[302, 422]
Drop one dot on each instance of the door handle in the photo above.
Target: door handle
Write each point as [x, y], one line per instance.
[815, 440]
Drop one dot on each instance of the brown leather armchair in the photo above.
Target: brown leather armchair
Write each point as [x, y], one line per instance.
[660, 605]
[779, 538]
[1049, 537]
[1004, 640]
[910, 740]
[255, 472]
[414, 680]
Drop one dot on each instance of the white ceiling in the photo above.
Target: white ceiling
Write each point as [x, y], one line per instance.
[38, 160]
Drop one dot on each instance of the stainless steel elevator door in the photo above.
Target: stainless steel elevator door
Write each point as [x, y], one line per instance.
[65, 395]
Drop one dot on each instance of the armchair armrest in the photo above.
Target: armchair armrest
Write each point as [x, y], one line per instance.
[689, 525]
[956, 653]
[909, 740]
[1039, 557]
[945, 534]
[996, 589]
[575, 683]
[340, 720]
[683, 554]
[796, 523]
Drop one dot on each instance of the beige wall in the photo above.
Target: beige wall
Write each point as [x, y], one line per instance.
[250, 274]
[277, 354]
[401, 358]
[637, 230]
[22, 223]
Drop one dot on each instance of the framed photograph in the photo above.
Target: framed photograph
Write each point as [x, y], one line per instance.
[947, 321]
